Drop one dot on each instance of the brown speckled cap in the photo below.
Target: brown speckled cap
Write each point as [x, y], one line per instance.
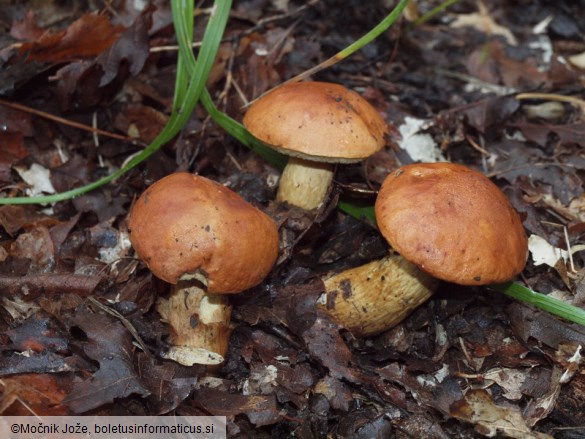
[317, 121]
[184, 224]
[452, 222]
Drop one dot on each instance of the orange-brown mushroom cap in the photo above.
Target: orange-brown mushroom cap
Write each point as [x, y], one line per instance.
[317, 121]
[184, 224]
[452, 222]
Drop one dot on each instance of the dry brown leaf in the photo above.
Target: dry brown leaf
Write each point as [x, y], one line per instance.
[88, 36]
[35, 394]
[110, 344]
[490, 419]
[510, 380]
[540, 408]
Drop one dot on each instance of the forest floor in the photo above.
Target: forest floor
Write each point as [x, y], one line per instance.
[468, 363]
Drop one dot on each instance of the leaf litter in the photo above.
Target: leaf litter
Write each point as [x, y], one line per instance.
[465, 364]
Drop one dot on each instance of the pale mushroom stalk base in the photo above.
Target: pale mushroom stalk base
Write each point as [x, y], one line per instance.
[376, 296]
[305, 183]
[200, 323]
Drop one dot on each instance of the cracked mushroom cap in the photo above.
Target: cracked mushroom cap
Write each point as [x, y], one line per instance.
[185, 224]
[452, 222]
[317, 121]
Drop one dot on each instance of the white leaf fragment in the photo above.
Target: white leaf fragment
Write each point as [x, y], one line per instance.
[483, 22]
[188, 356]
[545, 253]
[420, 146]
[578, 60]
[38, 179]
[572, 367]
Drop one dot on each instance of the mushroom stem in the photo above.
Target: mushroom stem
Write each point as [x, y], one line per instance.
[200, 323]
[305, 183]
[376, 296]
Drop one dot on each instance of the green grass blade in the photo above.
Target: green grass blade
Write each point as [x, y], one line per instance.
[374, 33]
[542, 301]
[239, 132]
[359, 212]
[228, 124]
[188, 88]
[426, 17]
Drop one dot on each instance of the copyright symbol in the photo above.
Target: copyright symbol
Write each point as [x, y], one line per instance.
[14, 428]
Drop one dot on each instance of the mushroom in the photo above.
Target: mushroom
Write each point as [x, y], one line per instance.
[208, 242]
[317, 124]
[447, 222]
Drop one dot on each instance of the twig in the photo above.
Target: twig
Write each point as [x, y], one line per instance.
[476, 146]
[49, 284]
[63, 121]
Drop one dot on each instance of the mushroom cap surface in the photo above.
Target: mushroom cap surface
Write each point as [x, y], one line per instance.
[317, 121]
[186, 224]
[452, 222]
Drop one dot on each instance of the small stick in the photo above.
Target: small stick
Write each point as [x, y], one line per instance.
[49, 284]
[63, 121]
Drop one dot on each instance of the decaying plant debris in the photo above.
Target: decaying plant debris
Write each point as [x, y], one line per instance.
[78, 323]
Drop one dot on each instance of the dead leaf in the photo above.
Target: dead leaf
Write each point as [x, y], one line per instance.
[420, 426]
[543, 327]
[260, 409]
[37, 178]
[12, 149]
[169, 383]
[132, 46]
[37, 334]
[541, 133]
[517, 160]
[568, 409]
[365, 423]
[30, 362]
[539, 408]
[336, 392]
[85, 84]
[326, 345]
[88, 36]
[37, 247]
[490, 419]
[141, 121]
[75, 172]
[491, 112]
[545, 253]
[26, 29]
[491, 63]
[36, 394]
[510, 380]
[110, 344]
[14, 218]
[14, 121]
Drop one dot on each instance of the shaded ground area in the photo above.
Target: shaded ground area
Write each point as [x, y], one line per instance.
[77, 312]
